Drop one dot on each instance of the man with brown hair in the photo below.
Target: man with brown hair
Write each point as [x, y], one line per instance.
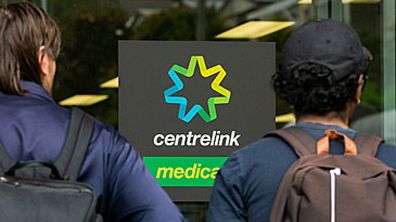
[33, 126]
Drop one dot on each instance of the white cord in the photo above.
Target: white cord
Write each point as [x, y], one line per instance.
[333, 173]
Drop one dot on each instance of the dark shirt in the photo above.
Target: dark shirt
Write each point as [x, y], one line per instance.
[246, 186]
[33, 127]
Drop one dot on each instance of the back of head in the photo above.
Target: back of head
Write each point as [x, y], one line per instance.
[320, 67]
[24, 29]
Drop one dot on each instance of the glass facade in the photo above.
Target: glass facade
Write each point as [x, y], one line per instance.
[91, 30]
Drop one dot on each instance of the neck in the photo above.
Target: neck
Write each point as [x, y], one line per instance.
[47, 85]
[329, 119]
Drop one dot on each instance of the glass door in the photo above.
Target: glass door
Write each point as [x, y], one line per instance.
[374, 20]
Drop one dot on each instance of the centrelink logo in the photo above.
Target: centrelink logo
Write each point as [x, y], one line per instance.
[190, 139]
[182, 101]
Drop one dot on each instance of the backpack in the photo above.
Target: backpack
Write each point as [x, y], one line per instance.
[353, 187]
[45, 191]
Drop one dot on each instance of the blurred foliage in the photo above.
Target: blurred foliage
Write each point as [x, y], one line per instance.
[177, 24]
[89, 52]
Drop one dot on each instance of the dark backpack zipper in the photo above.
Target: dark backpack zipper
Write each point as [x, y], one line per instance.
[16, 183]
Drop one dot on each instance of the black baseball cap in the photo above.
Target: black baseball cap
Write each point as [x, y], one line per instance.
[329, 43]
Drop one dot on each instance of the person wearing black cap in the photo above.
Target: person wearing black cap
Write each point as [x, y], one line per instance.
[322, 74]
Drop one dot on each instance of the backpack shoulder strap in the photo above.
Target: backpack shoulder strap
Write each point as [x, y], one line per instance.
[297, 138]
[368, 144]
[76, 145]
[6, 162]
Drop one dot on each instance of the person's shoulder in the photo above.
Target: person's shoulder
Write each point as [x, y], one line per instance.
[268, 147]
[389, 147]
[387, 154]
[109, 139]
[257, 170]
[265, 153]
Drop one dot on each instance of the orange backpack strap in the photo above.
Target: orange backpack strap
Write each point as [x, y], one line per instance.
[368, 144]
[302, 143]
[323, 144]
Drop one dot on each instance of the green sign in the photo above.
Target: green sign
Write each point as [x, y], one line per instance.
[184, 171]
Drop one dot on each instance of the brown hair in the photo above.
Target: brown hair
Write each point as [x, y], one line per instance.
[24, 28]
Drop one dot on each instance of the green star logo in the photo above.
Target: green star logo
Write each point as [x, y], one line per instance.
[182, 101]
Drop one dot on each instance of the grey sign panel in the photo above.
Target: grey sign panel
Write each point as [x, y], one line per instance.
[194, 99]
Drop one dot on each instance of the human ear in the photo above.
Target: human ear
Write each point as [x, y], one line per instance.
[47, 68]
[359, 90]
[43, 61]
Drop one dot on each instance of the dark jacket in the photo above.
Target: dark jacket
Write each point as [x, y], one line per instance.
[33, 127]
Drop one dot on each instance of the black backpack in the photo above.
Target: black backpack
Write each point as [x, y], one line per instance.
[45, 191]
